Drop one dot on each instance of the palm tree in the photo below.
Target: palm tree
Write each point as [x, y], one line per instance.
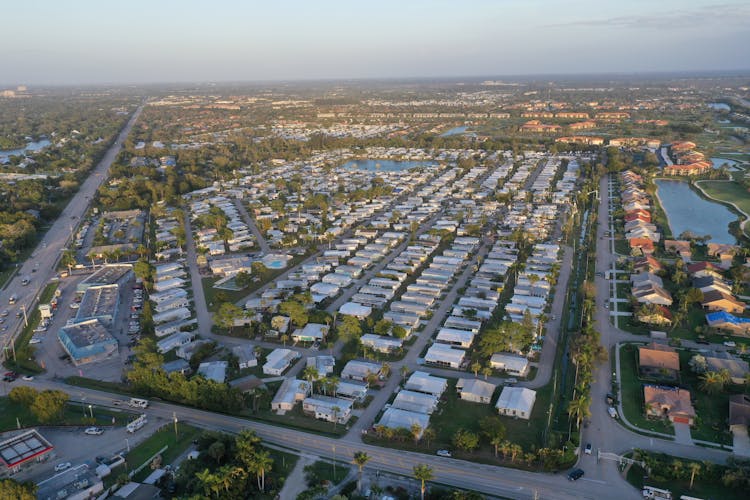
[695, 469]
[404, 371]
[385, 370]
[428, 435]
[360, 459]
[416, 432]
[475, 367]
[579, 408]
[262, 463]
[423, 473]
[310, 373]
[335, 411]
[712, 382]
[487, 371]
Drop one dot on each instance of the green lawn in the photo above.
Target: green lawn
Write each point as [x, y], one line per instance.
[731, 192]
[11, 414]
[322, 471]
[631, 393]
[298, 420]
[24, 358]
[165, 436]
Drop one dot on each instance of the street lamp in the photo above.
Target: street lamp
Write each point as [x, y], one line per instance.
[91, 411]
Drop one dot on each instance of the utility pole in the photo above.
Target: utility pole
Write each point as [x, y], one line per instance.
[25, 318]
[174, 416]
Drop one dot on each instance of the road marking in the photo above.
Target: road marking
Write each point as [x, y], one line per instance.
[599, 481]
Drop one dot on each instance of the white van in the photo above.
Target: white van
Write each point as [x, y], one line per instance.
[138, 403]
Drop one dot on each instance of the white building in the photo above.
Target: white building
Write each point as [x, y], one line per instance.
[516, 402]
[445, 355]
[279, 360]
[512, 364]
[475, 390]
[328, 408]
[424, 382]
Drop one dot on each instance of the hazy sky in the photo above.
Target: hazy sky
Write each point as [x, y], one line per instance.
[102, 41]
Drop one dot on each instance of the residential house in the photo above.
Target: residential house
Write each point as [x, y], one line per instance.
[512, 364]
[311, 332]
[214, 370]
[670, 402]
[475, 390]
[424, 382]
[658, 361]
[328, 408]
[516, 402]
[290, 393]
[739, 414]
[444, 355]
[360, 370]
[722, 360]
[655, 315]
[381, 343]
[415, 401]
[703, 269]
[279, 360]
[679, 247]
[723, 321]
[245, 355]
[719, 301]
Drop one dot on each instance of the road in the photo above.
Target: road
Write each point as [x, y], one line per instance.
[262, 243]
[510, 483]
[41, 266]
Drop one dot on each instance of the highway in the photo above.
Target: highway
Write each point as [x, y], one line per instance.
[40, 268]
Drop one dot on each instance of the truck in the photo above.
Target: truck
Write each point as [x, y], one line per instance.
[138, 403]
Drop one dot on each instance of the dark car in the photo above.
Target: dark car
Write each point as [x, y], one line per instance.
[702, 341]
[575, 474]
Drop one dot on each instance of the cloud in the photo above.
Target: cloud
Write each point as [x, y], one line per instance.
[708, 15]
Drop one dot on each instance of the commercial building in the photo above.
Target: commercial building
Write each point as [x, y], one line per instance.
[87, 342]
[99, 302]
[23, 449]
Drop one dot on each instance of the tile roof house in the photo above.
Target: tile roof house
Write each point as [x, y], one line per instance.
[645, 245]
[739, 412]
[647, 263]
[703, 268]
[658, 361]
[679, 247]
[722, 360]
[652, 294]
[670, 402]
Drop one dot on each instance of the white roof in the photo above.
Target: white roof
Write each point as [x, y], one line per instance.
[520, 399]
[354, 309]
[445, 354]
[510, 362]
[214, 370]
[476, 387]
[415, 401]
[424, 382]
[455, 335]
[395, 418]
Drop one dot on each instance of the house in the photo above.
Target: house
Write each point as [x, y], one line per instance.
[654, 315]
[245, 355]
[323, 364]
[415, 401]
[381, 343]
[214, 370]
[516, 402]
[726, 322]
[176, 366]
[645, 245]
[647, 264]
[719, 301]
[279, 360]
[290, 392]
[455, 337]
[711, 283]
[703, 269]
[349, 389]
[174, 341]
[311, 332]
[394, 418]
[424, 382]
[652, 294]
[328, 408]
[475, 390]
[722, 360]
[679, 247]
[511, 364]
[444, 355]
[658, 361]
[360, 370]
[670, 402]
[643, 279]
[357, 310]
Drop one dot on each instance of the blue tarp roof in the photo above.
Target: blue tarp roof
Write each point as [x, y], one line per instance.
[725, 317]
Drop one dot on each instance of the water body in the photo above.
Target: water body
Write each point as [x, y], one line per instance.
[31, 146]
[454, 131]
[719, 106]
[688, 211]
[731, 164]
[384, 165]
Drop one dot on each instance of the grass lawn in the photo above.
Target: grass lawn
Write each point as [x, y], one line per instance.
[622, 247]
[163, 437]
[701, 489]
[13, 413]
[631, 393]
[324, 471]
[730, 192]
[298, 420]
[215, 296]
[712, 410]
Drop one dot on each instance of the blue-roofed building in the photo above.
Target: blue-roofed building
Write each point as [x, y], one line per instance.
[87, 341]
[727, 322]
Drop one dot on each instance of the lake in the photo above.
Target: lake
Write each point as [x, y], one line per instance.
[731, 164]
[719, 106]
[31, 146]
[454, 131]
[384, 165]
[688, 211]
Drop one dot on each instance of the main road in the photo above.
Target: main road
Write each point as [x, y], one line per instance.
[488, 479]
[40, 268]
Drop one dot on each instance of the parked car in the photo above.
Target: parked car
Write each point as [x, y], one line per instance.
[702, 341]
[444, 453]
[730, 343]
[575, 474]
[27, 378]
[612, 412]
[94, 431]
[587, 451]
[62, 466]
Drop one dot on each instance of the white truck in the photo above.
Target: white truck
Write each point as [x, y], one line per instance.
[138, 403]
[137, 424]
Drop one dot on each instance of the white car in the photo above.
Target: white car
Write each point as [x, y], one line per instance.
[62, 466]
[612, 412]
[94, 431]
[28, 378]
[444, 453]
[730, 343]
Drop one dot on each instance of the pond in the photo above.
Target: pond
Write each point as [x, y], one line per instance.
[384, 165]
[719, 106]
[731, 164]
[688, 211]
[454, 131]
[31, 146]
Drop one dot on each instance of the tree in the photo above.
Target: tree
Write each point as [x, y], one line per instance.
[296, 311]
[695, 469]
[10, 488]
[382, 327]
[68, 259]
[428, 435]
[385, 370]
[262, 463]
[349, 328]
[23, 395]
[579, 409]
[475, 367]
[487, 371]
[399, 332]
[360, 459]
[49, 405]
[217, 451]
[714, 382]
[404, 371]
[698, 364]
[226, 315]
[423, 473]
[494, 429]
[245, 445]
[465, 440]
[416, 432]
[310, 373]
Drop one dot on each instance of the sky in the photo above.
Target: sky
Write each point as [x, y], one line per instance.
[154, 41]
